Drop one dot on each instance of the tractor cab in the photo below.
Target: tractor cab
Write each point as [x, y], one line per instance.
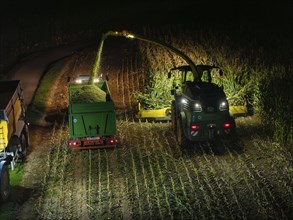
[184, 78]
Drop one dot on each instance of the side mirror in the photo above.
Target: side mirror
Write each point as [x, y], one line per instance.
[169, 75]
[172, 91]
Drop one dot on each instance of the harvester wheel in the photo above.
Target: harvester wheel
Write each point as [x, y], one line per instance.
[173, 117]
[182, 140]
[4, 183]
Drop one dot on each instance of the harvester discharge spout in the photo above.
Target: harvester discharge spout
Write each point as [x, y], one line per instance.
[126, 34]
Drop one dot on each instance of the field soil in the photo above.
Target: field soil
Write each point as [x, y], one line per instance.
[148, 176]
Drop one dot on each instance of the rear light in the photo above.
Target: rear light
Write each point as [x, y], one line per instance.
[194, 127]
[227, 125]
[74, 142]
[112, 141]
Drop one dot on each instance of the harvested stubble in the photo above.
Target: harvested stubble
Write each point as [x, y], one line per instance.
[88, 94]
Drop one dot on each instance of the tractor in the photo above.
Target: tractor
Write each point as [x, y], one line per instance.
[200, 109]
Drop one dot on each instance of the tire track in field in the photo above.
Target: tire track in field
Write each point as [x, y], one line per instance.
[121, 204]
[80, 173]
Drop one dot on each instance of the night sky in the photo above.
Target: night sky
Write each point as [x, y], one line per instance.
[260, 17]
[265, 12]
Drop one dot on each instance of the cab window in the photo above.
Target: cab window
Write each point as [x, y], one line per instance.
[189, 77]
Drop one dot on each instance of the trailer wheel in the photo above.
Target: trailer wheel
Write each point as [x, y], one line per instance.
[182, 140]
[5, 183]
[13, 144]
[23, 146]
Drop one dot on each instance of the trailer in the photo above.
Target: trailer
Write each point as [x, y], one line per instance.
[91, 124]
[14, 135]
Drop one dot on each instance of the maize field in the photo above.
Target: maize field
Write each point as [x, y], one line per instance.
[148, 176]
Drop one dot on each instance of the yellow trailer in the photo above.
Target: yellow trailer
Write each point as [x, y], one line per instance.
[14, 137]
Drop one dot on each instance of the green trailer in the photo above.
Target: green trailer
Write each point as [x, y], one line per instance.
[92, 123]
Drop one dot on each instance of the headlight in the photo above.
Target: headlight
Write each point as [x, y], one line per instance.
[184, 101]
[197, 106]
[223, 105]
[96, 80]
[185, 104]
[78, 81]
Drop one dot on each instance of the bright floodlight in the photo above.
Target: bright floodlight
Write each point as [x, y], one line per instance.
[130, 36]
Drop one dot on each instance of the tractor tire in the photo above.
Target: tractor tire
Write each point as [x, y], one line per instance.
[181, 138]
[173, 117]
[4, 183]
[23, 147]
